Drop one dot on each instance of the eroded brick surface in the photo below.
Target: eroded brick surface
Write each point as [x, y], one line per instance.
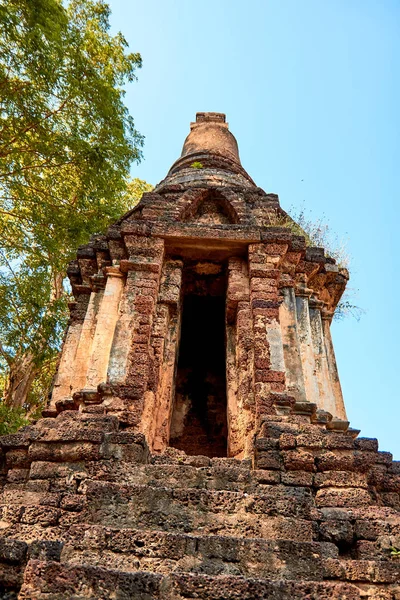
[237, 476]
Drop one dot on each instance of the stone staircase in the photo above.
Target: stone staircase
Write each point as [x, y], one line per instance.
[87, 512]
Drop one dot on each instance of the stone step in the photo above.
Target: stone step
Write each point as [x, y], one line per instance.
[333, 489]
[19, 520]
[218, 474]
[363, 571]
[57, 581]
[157, 551]
[221, 475]
[14, 554]
[194, 472]
[363, 533]
[56, 495]
[192, 510]
[189, 558]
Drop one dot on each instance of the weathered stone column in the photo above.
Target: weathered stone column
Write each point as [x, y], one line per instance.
[131, 353]
[84, 349]
[326, 398]
[239, 357]
[164, 343]
[240, 371]
[232, 402]
[65, 376]
[291, 345]
[269, 363]
[306, 345]
[339, 409]
[106, 321]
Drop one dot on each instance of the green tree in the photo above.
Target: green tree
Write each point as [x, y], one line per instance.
[66, 145]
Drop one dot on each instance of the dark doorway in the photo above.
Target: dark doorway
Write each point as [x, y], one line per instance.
[199, 423]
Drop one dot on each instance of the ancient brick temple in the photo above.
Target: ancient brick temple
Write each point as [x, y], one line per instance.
[196, 443]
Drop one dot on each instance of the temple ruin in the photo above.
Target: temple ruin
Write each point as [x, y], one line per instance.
[196, 443]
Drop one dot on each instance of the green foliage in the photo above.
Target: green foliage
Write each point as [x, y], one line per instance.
[318, 233]
[11, 419]
[28, 313]
[67, 142]
[197, 165]
[38, 394]
[394, 552]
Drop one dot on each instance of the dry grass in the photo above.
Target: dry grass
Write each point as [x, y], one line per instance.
[316, 233]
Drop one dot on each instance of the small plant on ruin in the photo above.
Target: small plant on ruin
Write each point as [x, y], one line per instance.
[197, 165]
[316, 232]
[346, 308]
[394, 552]
[11, 419]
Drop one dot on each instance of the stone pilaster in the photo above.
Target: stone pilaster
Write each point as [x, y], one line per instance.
[106, 321]
[164, 343]
[306, 344]
[239, 357]
[291, 345]
[326, 397]
[131, 353]
[65, 377]
[269, 366]
[84, 349]
[339, 410]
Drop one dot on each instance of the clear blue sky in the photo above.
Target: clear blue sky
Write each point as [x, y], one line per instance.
[311, 89]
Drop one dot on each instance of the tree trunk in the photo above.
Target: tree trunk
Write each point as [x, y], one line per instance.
[22, 372]
[57, 289]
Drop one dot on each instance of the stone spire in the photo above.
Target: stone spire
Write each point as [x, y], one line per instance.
[196, 443]
[210, 134]
[204, 239]
[210, 155]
